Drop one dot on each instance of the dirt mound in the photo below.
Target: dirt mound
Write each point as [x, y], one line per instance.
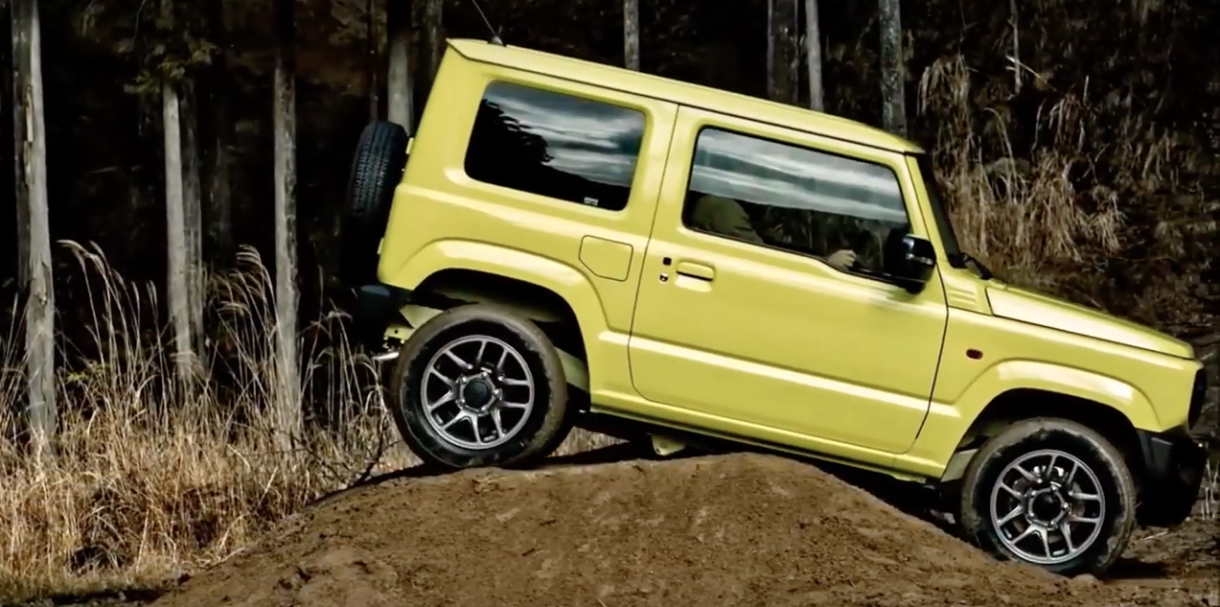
[720, 530]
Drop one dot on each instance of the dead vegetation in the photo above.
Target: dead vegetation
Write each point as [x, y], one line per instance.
[144, 486]
[1120, 223]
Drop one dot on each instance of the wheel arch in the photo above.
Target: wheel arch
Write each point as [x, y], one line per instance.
[540, 304]
[1025, 403]
[1019, 404]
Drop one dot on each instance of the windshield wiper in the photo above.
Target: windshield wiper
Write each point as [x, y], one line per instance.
[964, 258]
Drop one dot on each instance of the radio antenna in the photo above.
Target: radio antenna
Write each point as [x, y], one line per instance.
[495, 36]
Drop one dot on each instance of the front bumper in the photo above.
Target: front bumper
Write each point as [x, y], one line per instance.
[1173, 472]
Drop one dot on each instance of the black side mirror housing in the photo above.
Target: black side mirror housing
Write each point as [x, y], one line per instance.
[910, 261]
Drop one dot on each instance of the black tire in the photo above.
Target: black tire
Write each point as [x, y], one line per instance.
[542, 429]
[1103, 459]
[377, 168]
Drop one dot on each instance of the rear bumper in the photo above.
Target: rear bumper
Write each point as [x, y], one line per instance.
[1173, 472]
[376, 307]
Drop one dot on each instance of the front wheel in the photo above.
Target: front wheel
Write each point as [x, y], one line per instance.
[1051, 493]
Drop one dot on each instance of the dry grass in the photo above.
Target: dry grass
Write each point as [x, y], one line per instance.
[145, 485]
[1211, 491]
[1096, 192]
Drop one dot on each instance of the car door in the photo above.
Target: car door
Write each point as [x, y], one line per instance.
[761, 331]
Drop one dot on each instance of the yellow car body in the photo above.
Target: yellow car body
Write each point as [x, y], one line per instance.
[691, 331]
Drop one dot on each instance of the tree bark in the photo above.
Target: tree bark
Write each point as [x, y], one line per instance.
[371, 61]
[398, 81]
[178, 279]
[771, 49]
[35, 228]
[783, 51]
[287, 402]
[433, 43]
[192, 212]
[813, 56]
[893, 92]
[631, 34]
[219, 203]
[1014, 21]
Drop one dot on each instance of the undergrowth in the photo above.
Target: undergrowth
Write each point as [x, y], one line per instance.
[145, 485]
[1103, 206]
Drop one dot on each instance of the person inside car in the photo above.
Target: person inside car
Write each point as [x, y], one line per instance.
[725, 216]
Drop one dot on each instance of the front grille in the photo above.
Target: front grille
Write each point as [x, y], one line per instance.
[1197, 395]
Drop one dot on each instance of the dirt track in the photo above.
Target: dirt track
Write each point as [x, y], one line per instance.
[738, 529]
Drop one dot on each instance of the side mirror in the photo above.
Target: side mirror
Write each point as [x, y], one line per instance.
[910, 261]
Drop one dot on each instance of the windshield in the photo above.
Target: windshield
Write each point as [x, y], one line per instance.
[948, 237]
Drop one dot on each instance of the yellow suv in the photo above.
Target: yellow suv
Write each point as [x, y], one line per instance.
[564, 243]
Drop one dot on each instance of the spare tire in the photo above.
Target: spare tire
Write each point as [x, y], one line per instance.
[377, 168]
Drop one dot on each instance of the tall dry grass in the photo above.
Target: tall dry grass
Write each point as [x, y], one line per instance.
[146, 485]
[1100, 203]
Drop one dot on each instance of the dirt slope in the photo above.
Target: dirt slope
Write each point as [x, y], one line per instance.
[737, 529]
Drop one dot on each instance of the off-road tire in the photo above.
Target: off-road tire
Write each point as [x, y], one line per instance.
[377, 168]
[547, 424]
[1100, 455]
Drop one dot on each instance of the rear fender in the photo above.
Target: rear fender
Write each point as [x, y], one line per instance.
[414, 316]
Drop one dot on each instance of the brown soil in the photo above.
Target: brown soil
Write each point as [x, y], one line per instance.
[739, 529]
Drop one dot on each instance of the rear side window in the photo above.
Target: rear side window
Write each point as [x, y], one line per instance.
[555, 145]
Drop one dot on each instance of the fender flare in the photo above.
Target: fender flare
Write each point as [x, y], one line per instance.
[564, 280]
[948, 423]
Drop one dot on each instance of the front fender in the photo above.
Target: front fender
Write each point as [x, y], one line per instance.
[1028, 374]
[948, 422]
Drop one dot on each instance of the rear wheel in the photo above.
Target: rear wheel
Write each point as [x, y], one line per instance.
[479, 386]
[1051, 493]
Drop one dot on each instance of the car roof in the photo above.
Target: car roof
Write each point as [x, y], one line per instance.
[683, 93]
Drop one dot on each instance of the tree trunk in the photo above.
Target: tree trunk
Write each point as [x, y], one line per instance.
[398, 81]
[178, 279]
[220, 209]
[813, 55]
[192, 213]
[371, 62]
[35, 228]
[631, 34]
[783, 51]
[287, 402]
[771, 49]
[893, 93]
[1014, 21]
[433, 44]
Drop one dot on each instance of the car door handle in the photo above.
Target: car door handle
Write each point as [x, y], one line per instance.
[694, 269]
